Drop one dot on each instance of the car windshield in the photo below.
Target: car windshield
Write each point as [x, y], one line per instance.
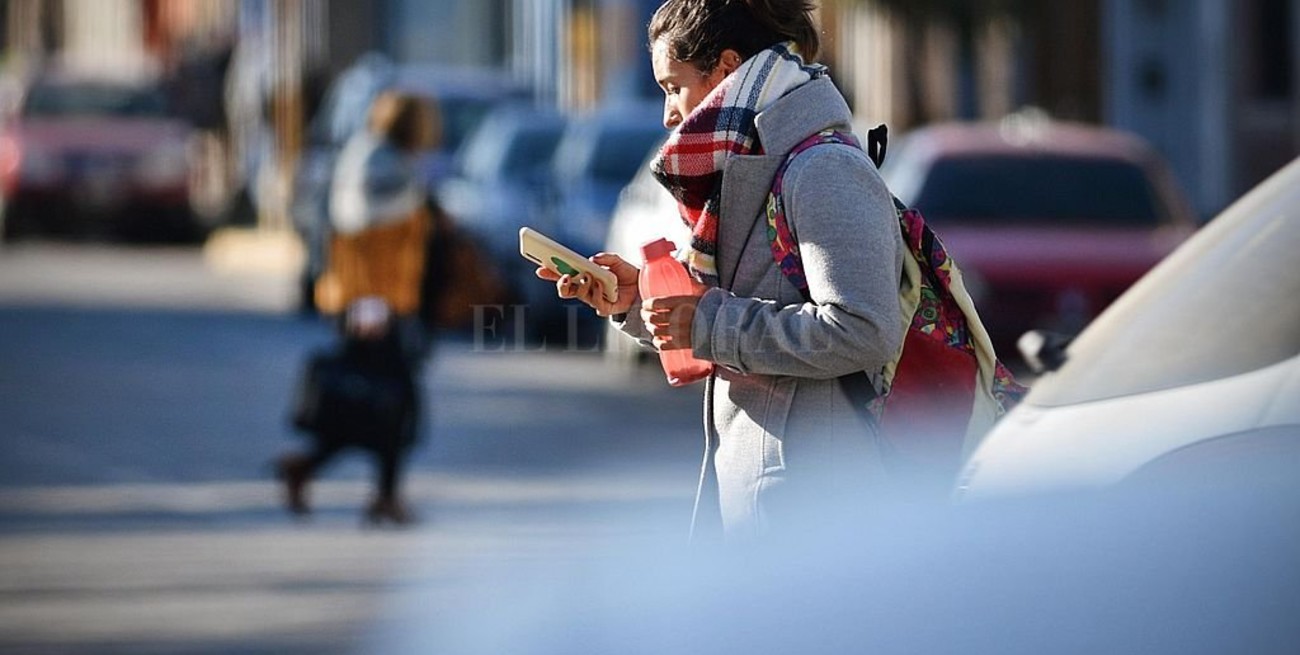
[510, 151]
[459, 118]
[609, 154]
[1044, 189]
[51, 100]
[620, 152]
[1221, 305]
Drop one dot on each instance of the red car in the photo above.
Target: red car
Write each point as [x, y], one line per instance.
[1049, 221]
[98, 157]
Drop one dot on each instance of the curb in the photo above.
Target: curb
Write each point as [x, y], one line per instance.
[254, 250]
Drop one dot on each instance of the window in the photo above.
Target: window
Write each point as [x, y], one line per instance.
[1046, 189]
[620, 152]
[94, 100]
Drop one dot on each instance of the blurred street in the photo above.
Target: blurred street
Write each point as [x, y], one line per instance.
[143, 397]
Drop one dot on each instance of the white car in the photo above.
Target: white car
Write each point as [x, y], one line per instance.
[1192, 376]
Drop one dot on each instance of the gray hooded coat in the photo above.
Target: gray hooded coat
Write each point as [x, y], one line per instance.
[782, 439]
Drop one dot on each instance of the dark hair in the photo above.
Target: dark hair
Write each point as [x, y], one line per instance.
[697, 31]
[411, 123]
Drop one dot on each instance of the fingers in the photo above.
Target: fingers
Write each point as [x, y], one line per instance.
[607, 259]
[669, 321]
[624, 271]
[669, 337]
[568, 286]
[586, 288]
[583, 287]
[666, 303]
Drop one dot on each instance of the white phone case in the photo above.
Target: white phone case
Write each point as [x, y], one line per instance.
[544, 251]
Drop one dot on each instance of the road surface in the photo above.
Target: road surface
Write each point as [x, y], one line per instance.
[143, 395]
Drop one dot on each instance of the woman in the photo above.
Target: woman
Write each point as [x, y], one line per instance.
[783, 438]
[380, 223]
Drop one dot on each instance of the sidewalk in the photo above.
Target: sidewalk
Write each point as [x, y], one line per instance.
[236, 269]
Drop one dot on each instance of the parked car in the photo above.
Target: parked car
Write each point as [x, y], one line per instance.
[464, 97]
[1192, 375]
[1049, 221]
[501, 176]
[598, 156]
[95, 156]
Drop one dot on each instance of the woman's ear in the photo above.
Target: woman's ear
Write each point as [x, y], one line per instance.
[729, 61]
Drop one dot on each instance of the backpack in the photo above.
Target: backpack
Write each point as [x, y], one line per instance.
[458, 276]
[945, 388]
[357, 393]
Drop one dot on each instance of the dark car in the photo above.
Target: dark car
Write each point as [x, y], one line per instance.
[96, 156]
[599, 155]
[501, 176]
[1050, 222]
[500, 184]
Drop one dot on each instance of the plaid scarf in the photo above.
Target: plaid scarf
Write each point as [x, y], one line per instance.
[690, 163]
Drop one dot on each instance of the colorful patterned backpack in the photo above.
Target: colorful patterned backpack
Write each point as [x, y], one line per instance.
[945, 388]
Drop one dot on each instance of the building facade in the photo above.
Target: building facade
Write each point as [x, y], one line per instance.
[1213, 83]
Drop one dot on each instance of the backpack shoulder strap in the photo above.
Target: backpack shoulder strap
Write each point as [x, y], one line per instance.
[785, 249]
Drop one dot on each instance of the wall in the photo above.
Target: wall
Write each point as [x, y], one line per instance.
[1168, 66]
[1212, 83]
[453, 32]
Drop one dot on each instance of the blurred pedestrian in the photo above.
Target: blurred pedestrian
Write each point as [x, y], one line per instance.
[741, 92]
[380, 221]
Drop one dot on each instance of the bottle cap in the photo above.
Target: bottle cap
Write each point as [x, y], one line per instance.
[657, 248]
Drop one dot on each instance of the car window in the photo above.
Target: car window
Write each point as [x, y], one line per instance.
[459, 117]
[530, 150]
[620, 152]
[94, 100]
[510, 147]
[1222, 304]
[1045, 189]
[605, 151]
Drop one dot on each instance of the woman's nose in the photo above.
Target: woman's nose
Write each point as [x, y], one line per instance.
[671, 116]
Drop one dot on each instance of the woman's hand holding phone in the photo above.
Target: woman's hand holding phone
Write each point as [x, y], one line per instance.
[588, 290]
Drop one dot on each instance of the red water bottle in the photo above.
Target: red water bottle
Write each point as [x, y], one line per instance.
[664, 276]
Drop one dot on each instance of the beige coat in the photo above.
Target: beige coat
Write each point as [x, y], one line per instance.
[385, 261]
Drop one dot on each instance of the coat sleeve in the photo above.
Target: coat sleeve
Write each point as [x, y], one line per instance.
[631, 324]
[843, 218]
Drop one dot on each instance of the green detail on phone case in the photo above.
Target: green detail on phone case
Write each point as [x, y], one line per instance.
[563, 267]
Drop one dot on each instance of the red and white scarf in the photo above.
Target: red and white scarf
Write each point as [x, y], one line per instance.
[690, 163]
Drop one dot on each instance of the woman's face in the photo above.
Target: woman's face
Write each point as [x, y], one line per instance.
[683, 84]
